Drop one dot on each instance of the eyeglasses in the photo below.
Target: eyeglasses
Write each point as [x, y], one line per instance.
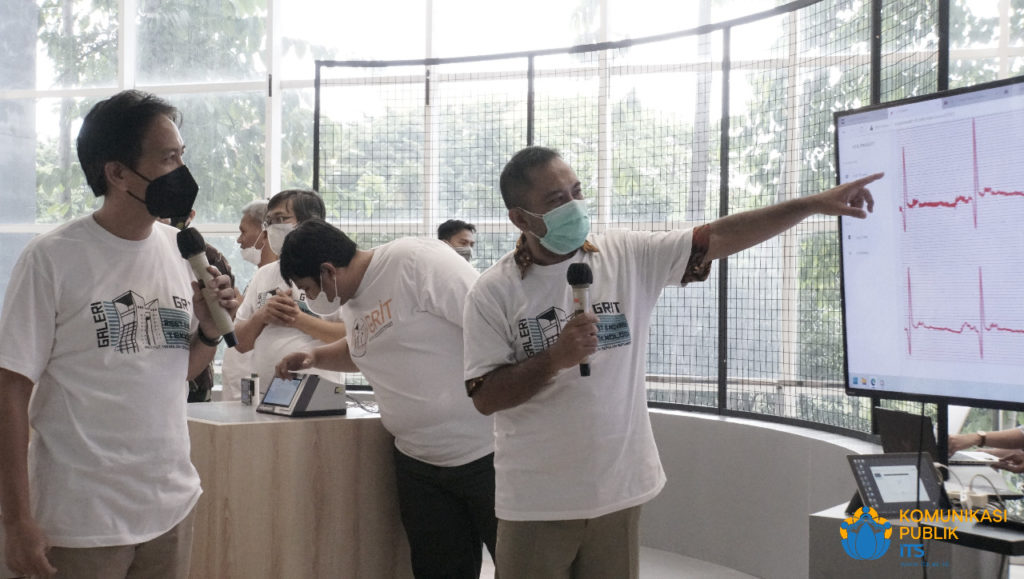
[277, 219]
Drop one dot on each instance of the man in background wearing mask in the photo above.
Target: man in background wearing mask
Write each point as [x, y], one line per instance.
[274, 317]
[403, 304]
[252, 239]
[575, 455]
[460, 235]
[102, 324]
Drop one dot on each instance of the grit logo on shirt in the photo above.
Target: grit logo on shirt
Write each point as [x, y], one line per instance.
[369, 325]
[538, 333]
[130, 323]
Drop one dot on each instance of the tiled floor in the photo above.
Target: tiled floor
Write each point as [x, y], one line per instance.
[655, 564]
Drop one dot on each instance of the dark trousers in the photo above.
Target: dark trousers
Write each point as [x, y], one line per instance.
[448, 514]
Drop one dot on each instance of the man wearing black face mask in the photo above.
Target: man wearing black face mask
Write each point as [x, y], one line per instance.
[102, 324]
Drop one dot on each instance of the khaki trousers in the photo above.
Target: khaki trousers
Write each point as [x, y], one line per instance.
[607, 547]
[165, 557]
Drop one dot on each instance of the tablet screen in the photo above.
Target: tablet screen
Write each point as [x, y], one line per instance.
[903, 480]
[281, 392]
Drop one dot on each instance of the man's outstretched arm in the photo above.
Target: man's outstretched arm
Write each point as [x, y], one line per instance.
[739, 231]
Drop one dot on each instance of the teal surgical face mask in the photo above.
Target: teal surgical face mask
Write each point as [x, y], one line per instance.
[568, 226]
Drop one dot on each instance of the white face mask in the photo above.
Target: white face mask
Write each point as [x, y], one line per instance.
[252, 254]
[465, 251]
[276, 234]
[322, 306]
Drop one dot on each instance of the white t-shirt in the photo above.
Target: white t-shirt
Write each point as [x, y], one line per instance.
[405, 335]
[276, 342]
[102, 326]
[582, 447]
[233, 367]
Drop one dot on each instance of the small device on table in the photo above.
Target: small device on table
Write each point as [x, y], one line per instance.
[892, 482]
[250, 389]
[304, 395]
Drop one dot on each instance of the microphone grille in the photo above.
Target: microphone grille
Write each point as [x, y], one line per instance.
[190, 242]
[579, 274]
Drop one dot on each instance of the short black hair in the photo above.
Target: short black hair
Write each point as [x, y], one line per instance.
[306, 204]
[515, 180]
[449, 228]
[312, 243]
[113, 130]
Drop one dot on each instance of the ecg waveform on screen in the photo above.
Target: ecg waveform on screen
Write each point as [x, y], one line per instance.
[955, 201]
[979, 325]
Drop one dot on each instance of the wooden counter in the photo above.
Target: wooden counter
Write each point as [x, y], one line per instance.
[294, 497]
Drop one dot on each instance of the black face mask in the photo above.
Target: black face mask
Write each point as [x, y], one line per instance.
[170, 196]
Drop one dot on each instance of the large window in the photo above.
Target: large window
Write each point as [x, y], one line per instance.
[641, 126]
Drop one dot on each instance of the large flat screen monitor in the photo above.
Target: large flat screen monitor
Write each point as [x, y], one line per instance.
[933, 280]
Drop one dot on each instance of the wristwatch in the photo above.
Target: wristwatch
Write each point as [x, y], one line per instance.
[211, 343]
[983, 435]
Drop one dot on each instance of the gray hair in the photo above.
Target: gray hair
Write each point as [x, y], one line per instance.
[255, 210]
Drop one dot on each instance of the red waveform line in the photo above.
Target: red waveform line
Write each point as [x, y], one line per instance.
[979, 329]
[903, 214]
[991, 191]
[981, 310]
[959, 199]
[974, 163]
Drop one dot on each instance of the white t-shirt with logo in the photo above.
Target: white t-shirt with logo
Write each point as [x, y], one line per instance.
[276, 342]
[102, 326]
[405, 334]
[583, 446]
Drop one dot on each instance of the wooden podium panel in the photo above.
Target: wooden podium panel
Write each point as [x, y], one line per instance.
[294, 497]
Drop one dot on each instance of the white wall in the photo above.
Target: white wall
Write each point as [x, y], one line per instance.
[740, 491]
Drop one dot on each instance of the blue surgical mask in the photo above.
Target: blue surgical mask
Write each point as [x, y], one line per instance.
[568, 226]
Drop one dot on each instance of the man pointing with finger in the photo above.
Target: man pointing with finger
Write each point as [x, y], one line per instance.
[575, 456]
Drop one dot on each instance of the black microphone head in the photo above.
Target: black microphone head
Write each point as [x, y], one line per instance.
[579, 274]
[190, 242]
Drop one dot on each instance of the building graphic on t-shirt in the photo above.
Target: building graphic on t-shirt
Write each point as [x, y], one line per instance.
[129, 323]
[140, 323]
[539, 333]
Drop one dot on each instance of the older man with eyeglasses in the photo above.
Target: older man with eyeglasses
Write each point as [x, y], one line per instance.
[274, 316]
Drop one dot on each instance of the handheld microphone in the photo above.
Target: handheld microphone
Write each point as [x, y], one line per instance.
[580, 277]
[193, 248]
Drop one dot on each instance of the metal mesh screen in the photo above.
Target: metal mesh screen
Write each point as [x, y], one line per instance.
[663, 133]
